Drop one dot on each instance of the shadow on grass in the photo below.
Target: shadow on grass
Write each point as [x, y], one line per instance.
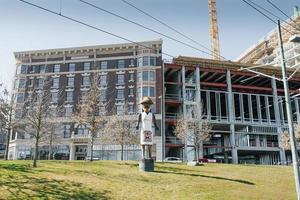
[206, 176]
[25, 187]
[16, 167]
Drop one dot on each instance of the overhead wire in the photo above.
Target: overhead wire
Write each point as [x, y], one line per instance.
[145, 27]
[166, 25]
[90, 26]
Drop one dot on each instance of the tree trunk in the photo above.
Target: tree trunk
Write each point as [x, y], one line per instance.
[36, 152]
[50, 148]
[122, 151]
[197, 153]
[7, 144]
[92, 146]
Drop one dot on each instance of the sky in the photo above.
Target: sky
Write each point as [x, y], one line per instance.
[27, 28]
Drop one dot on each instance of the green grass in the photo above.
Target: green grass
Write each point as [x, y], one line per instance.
[122, 180]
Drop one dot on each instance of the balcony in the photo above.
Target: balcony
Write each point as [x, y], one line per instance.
[173, 142]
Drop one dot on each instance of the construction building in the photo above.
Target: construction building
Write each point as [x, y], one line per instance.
[266, 50]
[127, 73]
[247, 111]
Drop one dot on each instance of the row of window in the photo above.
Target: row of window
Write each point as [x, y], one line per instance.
[68, 111]
[69, 95]
[71, 81]
[102, 65]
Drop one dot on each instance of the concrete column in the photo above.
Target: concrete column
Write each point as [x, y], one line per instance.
[72, 152]
[199, 104]
[234, 153]
[277, 117]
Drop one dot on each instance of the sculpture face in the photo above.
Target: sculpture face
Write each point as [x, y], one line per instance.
[146, 107]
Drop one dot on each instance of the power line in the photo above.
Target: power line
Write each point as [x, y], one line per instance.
[166, 25]
[276, 7]
[272, 4]
[276, 16]
[145, 27]
[264, 15]
[90, 26]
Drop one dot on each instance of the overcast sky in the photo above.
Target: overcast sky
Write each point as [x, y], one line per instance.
[28, 28]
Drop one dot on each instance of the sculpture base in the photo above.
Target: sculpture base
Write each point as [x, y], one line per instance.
[146, 165]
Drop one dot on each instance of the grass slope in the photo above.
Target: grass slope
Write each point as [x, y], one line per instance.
[122, 180]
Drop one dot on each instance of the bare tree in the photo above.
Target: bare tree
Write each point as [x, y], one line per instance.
[284, 141]
[7, 121]
[193, 131]
[38, 116]
[120, 130]
[89, 111]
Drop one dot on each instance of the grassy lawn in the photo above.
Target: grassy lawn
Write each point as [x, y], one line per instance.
[122, 180]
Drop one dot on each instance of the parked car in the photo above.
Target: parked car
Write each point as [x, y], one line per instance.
[207, 160]
[173, 159]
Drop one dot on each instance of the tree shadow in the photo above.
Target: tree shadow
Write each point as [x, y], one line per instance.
[16, 167]
[25, 187]
[206, 176]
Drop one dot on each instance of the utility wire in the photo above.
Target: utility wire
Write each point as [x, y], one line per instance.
[276, 16]
[166, 25]
[88, 25]
[276, 7]
[145, 27]
[264, 15]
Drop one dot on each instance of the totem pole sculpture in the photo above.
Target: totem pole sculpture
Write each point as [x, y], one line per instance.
[147, 120]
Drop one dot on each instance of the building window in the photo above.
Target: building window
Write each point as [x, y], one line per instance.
[102, 110]
[55, 82]
[86, 81]
[140, 62]
[86, 66]
[71, 81]
[21, 83]
[20, 97]
[69, 96]
[120, 79]
[32, 69]
[145, 75]
[152, 76]
[103, 96]
[120, 94]
[30, 84]
[145, 61]
[54, 97]
[40, 83]
[66, 131]
[132, 62]
[121, 64]
[72, 67]
[103, 65]
[22, 69]
[68, 111]
[152, 61]
[148, 91]
[102, 80]
[56, 68]
[131, 77]
[120, 109]
[130, 109]
[18, 113]
[84, 95]
[130, 91]
[42, 69]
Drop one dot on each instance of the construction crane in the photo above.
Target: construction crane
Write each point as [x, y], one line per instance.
[213, 30]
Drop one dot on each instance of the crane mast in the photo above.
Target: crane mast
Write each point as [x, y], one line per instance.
[213, 31]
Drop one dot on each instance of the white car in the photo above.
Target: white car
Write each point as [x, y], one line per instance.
[173, 159]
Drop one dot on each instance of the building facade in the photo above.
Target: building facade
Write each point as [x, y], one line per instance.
[127, 72]
[247, 112]
[267, 51]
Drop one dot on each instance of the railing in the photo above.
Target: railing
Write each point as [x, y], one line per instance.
[171, 115]
[173, 140]
[172, 97]
[79, 136]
